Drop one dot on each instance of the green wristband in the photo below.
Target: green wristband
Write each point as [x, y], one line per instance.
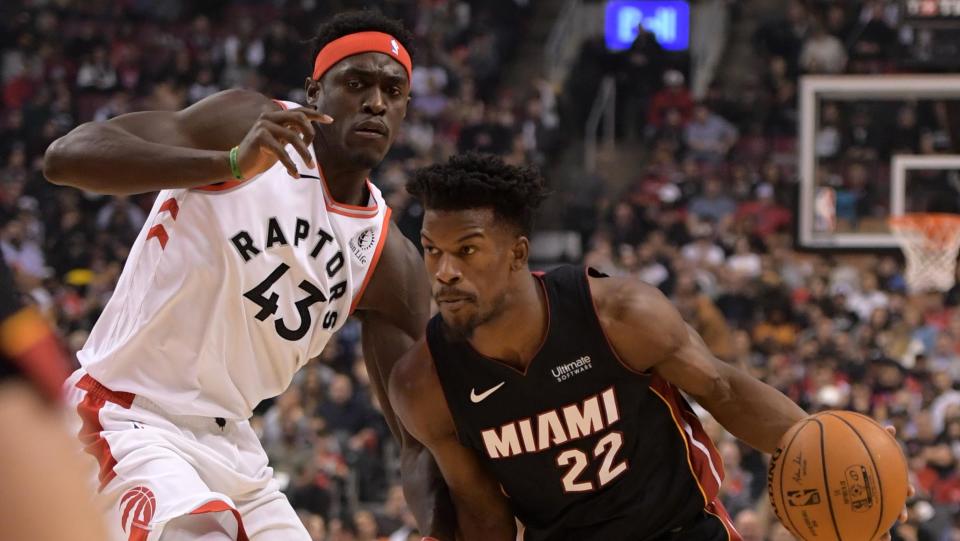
[235, 163]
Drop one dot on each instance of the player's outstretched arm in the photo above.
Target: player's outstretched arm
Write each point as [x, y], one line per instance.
[648, 333]
[481, 509]
[156, 150]
[394, 312]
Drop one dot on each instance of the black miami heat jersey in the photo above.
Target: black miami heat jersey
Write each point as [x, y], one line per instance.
[584, 448]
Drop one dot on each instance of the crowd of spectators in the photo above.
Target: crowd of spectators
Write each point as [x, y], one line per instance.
[709, 219]
[65, 62]
[856, 138]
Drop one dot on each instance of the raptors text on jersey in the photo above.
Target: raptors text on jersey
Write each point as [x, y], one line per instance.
[230, 289]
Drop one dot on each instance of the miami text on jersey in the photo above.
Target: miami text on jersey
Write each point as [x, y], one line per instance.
[553, 427]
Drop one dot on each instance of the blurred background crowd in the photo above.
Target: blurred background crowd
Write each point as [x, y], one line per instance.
[704, 207]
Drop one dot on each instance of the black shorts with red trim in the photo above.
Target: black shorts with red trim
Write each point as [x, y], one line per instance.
[707, 527]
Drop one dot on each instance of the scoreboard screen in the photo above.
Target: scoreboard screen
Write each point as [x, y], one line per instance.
[669, 20]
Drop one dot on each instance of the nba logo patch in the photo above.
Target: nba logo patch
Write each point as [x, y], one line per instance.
[394, 47]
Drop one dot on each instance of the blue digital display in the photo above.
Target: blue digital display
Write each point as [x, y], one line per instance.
[669, 20]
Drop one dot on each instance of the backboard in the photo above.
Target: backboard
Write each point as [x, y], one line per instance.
[872, 147]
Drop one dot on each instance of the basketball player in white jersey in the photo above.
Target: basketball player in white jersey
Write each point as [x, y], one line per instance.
[265, 237]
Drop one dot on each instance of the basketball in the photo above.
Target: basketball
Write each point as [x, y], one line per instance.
[838, 476]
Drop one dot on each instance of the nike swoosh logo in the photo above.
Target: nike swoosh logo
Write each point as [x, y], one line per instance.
[477, 398]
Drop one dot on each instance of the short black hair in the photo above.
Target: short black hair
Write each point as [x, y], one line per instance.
[474, 180]
[366, 20]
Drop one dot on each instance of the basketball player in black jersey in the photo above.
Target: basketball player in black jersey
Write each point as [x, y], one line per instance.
[555, 398]
[45, 496]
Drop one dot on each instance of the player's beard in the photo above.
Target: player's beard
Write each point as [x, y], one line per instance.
[462, 332]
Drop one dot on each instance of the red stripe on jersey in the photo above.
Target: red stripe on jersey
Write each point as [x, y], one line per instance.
[384, 231]
[350, 211]
[281, 104]
[717, 509]
[171, 206]
[348, 214]
[700, 436]
[217, 506]
[91, 437]
[160, 233]
[702, 457]
[91, 431]
[95, 388]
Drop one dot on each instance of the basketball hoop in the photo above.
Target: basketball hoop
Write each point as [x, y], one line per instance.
[930, 242]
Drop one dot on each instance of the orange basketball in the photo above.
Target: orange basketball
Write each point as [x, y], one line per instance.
[838, 476]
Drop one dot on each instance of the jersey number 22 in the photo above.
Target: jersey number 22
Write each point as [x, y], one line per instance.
[606, 449]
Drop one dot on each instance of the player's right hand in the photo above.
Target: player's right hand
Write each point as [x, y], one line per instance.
[265, 143]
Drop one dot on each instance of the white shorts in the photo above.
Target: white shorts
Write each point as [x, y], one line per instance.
[154, 467]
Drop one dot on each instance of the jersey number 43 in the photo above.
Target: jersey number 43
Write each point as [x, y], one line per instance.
[268, 303]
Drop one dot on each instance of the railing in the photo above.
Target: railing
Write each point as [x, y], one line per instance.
[564, 39]
[604, 108]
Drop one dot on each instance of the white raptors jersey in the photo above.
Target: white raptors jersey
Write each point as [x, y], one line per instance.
[229, 290]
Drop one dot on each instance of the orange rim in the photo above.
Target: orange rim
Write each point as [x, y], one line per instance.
[938, 228]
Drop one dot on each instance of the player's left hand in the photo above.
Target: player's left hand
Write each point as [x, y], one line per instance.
[910, 493]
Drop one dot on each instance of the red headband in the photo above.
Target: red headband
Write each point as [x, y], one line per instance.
[358, 43]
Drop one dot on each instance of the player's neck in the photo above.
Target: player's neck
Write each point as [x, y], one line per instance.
[516, 335]
[347, 184]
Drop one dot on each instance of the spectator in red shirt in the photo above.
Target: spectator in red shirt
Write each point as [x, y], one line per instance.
[673, 95]
[764, 214]
[939, 477]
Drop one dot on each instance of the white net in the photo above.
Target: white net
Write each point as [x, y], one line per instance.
[930, 243]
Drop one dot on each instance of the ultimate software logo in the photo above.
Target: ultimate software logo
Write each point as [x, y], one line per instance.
[567, 371]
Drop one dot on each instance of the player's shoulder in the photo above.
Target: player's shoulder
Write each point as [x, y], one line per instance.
[399, 279]
[623, 296]
[633, 313]
[398, 249]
